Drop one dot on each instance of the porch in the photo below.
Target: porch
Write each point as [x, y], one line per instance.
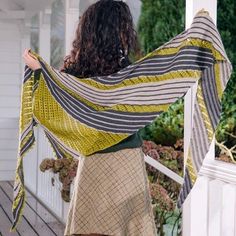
[209, 211]
[37, 220]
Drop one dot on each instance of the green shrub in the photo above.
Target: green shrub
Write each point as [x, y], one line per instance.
[159, 22]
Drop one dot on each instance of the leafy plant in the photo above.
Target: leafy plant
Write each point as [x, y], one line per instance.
[168, 127]
[159, 22]
[164, 191]
[66, 169]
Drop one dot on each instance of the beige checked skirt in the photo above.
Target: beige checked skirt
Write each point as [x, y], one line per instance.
[111, 196]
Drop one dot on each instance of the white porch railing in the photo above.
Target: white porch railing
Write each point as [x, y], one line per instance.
[163, 169]
[39, 183]
[209, 211]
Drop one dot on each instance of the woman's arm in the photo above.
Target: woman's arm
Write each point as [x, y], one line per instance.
[30, 60]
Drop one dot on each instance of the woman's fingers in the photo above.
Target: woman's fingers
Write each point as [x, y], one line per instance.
[26, 52]
[26, 57]
[31, 60]
[30, 54]
[203, 12]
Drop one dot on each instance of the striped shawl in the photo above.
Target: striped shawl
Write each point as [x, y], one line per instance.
[83, 116]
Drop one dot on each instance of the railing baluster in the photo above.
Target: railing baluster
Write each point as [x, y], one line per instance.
[199, 208]
[228, 210]
[214, 203]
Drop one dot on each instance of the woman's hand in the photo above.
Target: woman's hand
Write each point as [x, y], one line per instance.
[30, 60]
[203, 12]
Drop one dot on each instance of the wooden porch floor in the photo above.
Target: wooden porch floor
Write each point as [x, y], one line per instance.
[35, 221]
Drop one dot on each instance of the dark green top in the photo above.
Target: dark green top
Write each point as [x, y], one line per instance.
[132, 141]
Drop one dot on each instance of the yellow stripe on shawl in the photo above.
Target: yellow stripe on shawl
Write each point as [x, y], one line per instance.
[26, 103]
[218, 81]
[26, 139]
[191, 168]
[188, 42]
[184, 75]
[18, 180]
[63, 125]
[126, 107]
[204, 112]
[140, 108]
[168, 76]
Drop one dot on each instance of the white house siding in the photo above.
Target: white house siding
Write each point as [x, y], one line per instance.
[10, 77]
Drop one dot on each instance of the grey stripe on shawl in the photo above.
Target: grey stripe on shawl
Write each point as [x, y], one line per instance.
[210, 95]
[224, 72]
[105, 99]
[199, 142]
[188, 58]
[59, 143]
[27, 145]
[27, 74]
[16, 211]
[201, 24]
[75, 85]
[59, 153]
[28, 128]
[62, 145]
[185, 190]
[205, 23]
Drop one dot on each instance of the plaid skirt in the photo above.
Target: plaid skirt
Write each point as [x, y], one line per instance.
[111, 196]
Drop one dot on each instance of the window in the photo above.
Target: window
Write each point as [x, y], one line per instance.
[34, 34]
[57, 33]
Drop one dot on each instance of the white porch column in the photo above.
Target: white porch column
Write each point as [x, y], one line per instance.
[135, 8]
[71, 22]
[84, 4]
[193, 223]
[30, 161]
[192, 7]
[45, 34]
[25, 39]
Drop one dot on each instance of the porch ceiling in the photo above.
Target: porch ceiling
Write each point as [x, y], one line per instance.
[20, 9]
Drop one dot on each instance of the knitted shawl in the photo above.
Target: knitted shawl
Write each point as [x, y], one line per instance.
[83, 116]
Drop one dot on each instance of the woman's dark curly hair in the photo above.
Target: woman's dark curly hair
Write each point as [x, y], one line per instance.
[105, 37]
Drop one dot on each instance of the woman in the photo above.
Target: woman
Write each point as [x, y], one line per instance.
[115, 199]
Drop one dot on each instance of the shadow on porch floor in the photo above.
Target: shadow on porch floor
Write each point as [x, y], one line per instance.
[35, 221]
